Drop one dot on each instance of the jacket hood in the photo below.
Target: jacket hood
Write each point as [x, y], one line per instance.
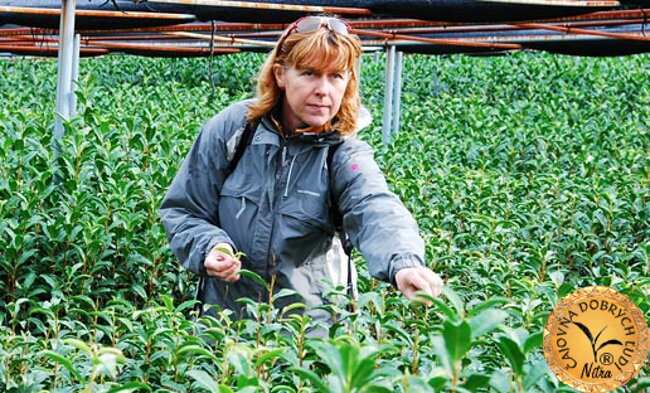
[364, 119]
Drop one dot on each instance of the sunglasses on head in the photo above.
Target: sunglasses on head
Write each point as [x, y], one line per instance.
[308, 24]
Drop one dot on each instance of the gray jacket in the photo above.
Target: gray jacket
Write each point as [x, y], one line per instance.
[275, 208]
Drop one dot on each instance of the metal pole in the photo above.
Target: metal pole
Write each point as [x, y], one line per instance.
[397, 97]
[388, 94]
[64, 78]
[434, 76]
[75, 75]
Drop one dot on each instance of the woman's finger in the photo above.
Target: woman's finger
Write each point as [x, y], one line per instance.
[232, 277]
[229, 274]
[434, 280]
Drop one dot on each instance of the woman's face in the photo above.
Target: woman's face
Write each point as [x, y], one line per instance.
[311, 97]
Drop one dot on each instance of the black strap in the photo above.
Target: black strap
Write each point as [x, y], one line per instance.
[244, 141]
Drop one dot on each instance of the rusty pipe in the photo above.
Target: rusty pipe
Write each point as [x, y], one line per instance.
[271, 6]
[438, 41]
[571, 30]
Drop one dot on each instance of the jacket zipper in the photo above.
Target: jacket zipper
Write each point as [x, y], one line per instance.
[286, 188]
[271, 262]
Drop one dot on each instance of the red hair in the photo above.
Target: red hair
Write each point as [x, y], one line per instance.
[320, 50]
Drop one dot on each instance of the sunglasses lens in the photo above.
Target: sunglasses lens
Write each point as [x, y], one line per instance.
[338, 26]
[313, 23]
[308, 24]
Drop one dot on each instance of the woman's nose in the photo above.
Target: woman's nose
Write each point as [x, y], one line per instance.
[321, 85]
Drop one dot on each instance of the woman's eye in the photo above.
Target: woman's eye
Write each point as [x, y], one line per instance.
[308, 72]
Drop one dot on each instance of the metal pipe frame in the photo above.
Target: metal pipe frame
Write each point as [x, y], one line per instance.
[75, 74]
[572, 30]
[417, 26]
[397, 92]
[31, 50]
[388, 95]
[98, 13]
[65, 68]
[438, 41]
[270, 6]
[163, 47]
[225, 38]
[497, 41]
[174, 31]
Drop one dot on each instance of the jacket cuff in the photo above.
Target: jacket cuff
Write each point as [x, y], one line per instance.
[400, 262]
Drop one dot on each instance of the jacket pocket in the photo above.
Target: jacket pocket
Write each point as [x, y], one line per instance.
[238, 216]
[310, 212]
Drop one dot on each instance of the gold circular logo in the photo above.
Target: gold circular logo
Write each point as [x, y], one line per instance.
[596, 339]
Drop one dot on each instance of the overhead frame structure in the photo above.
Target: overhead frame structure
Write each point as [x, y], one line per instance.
[68, 63]
[170, 34]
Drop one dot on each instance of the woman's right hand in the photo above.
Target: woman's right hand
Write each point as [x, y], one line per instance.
[222, 265]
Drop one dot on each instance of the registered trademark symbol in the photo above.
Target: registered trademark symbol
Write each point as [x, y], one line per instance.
[606, 358]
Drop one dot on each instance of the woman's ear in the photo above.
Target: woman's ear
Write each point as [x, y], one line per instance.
[278, 72]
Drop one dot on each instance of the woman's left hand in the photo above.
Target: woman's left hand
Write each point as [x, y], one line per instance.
[412, 279]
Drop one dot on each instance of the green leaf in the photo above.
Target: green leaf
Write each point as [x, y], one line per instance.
[237, 357]
[186, 304]
[374, 388]
[458, 339]
[455, 300]
[440, 349]
[284, 292]
[361, 373]
[392, 327]
[268, 356]
[204, 380]
[293, 306]
[641, 385]
[533, 342]
[66, 363]
[474, 382]
[168, 302]
[214, 333]
[140, 291]
[80, 345]
[255, 277]
[311, 377]
[496, 301]
[535, 372]
[130, 387]
[500, 382]
[513, 354]
[445, 309]
[225, 389]
[486, 321]
[197, 350]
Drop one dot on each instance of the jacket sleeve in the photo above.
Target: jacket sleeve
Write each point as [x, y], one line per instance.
[374, 218]
[189, 211]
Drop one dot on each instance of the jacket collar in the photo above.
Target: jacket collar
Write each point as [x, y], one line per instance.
[308, 135]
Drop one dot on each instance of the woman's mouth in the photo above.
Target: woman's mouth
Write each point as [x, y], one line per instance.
[317, 107]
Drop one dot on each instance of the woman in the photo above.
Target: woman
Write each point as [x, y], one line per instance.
[302, 165]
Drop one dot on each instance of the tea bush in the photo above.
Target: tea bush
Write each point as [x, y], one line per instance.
[529, 176]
